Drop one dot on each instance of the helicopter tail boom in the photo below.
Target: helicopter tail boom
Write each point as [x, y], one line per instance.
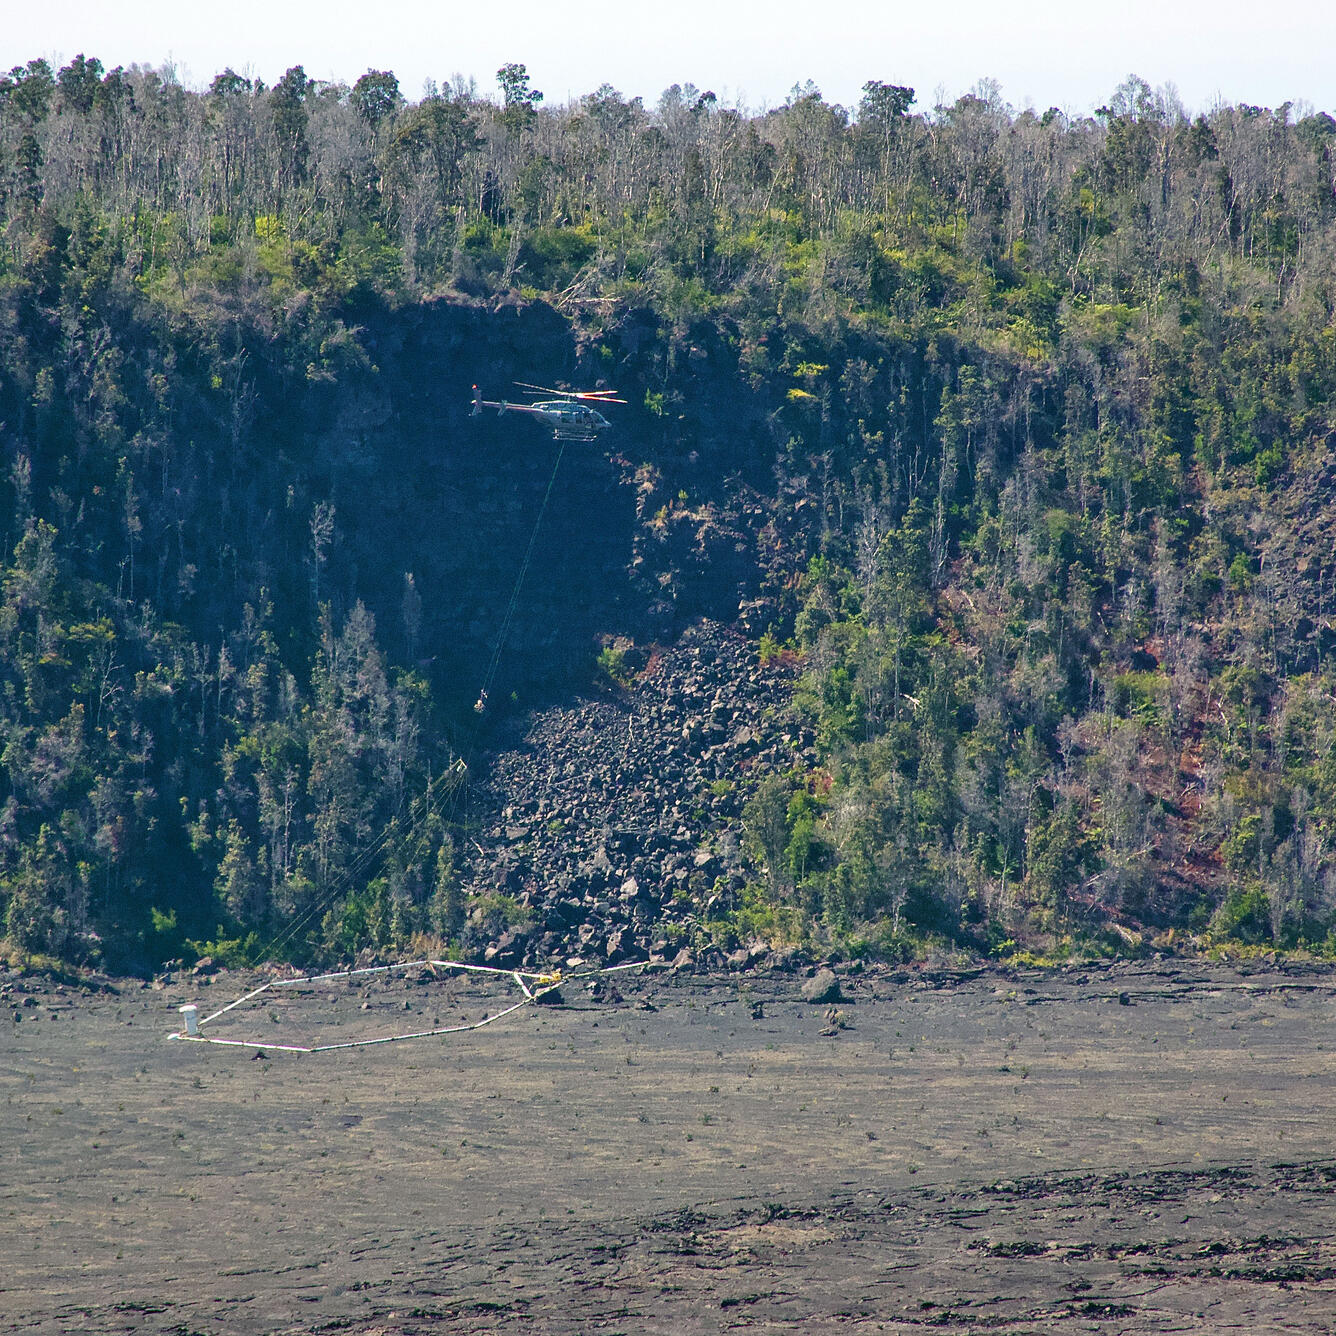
[479, 403]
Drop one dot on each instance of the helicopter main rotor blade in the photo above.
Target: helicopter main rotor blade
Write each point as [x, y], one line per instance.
[600, 396]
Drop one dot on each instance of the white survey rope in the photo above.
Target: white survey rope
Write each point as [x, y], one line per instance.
[532, 984]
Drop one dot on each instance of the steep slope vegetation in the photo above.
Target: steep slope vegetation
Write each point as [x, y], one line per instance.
[1008, 437]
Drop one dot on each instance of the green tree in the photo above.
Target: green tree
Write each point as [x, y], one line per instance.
[375, 97]
[766, 832]
[447, 904]
[288, 101]
[520, 102]
[79, 83]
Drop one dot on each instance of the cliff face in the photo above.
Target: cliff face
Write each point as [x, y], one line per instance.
[204, 730]
[1016, 430]
[641, 534]
[454, 500]
[1037, 652]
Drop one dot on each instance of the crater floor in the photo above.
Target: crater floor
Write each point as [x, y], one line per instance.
[1134, 1148]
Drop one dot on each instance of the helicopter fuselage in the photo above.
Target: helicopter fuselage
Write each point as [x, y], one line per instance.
[569, 420]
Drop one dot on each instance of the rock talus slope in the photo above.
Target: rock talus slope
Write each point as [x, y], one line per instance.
[614, 821]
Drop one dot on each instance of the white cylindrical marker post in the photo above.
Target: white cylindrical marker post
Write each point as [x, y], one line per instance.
[191, 1012]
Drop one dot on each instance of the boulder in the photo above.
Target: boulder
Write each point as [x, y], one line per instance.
[822, 987]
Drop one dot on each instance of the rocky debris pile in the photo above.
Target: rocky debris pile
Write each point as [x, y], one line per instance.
[29, 994]
[616, 823]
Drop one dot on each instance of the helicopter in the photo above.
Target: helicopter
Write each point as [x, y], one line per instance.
[570, 414]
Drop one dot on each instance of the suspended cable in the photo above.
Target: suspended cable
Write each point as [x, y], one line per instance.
[509, 617]
[365, 858]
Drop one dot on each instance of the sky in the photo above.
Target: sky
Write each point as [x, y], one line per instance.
[1042, 53]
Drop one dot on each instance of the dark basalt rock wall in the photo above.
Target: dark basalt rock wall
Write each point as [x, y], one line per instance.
[422, 486]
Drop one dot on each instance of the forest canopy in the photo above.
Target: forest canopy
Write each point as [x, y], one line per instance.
[1021, 424]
